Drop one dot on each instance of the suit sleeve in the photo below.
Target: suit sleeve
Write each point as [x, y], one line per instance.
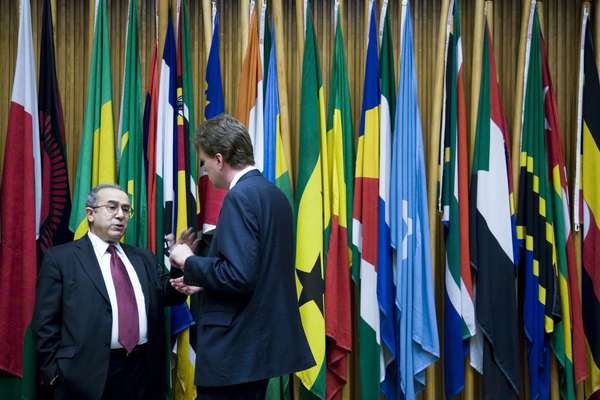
[169, 295]
[47, 318]
[234, 269]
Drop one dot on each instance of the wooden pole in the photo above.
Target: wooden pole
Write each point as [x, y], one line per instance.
[244, 20]
[208, 26]
[516, 137]
[282, 85]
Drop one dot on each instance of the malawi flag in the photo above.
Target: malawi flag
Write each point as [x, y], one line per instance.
[312, 212]
[211, 198]
[97, 152]
[250, 97]
[417, 336]
[56, 197]
[535, 225]
[365, 221]
[587, 209]
[459, 311]
[493, 238]
[132, 176]
[340, 138]
[568, 339]
[20, 207]
[386, 289]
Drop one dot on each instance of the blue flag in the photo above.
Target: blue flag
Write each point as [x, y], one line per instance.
[418, 335]
[214, 86]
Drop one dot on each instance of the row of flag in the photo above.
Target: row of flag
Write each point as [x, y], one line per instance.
[361, 212]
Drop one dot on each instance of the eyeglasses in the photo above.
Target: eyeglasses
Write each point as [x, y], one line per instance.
[111, 209]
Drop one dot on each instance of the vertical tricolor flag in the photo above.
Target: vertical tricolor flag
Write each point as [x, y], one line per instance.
[56, 196]
[459, 311]
[20, 208]
[493, 238]
[211, 198]
[312, 212]
[250, 98]
[386, 289]
[365, 220]
[587, 202]
[132, 176]
[418, 343]
[535, 223]
[567, 341]
[340, 138]
[97, 152]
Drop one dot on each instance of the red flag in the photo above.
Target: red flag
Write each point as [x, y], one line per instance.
[20, 199]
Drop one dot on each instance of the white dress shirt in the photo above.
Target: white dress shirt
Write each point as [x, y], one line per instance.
[241, 173]
[103, 257]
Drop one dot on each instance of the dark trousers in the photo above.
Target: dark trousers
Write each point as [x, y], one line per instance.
[127, 376]
[245, 391]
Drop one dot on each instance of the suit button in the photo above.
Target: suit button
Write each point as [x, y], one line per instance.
[106, 344]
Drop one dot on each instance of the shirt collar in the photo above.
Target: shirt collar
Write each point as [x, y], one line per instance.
[241, 173]
[100, 246]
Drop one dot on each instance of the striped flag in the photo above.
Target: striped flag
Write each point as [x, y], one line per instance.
[184, 205]
[409, 222]
[340, 138]
[276, 171]
[386, 288]
[493, 238]
[587, 203]
[150, 126]
[250, 97]
[459, 311]
[56, 196]
[570, 326]
[211, 198]
[312, 213]
[97, 152]
[132, 176]
[276, 166]
[20, 209]
[365, 221]
[535, 224]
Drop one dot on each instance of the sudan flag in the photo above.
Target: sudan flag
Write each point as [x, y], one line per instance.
[493, 238]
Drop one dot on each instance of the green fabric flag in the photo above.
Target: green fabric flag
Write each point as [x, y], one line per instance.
[97, 152]
[312, 212]
[132, 178]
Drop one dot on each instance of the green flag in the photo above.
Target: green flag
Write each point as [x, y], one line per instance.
[132, 178]
[97, 152]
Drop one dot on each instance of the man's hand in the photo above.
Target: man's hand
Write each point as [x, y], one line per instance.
[181, 287]
[182, 249]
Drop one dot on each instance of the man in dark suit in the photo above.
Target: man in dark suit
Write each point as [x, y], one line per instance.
[249, 327]
[98, 321]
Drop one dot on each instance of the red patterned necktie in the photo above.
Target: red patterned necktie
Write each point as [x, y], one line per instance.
[129, 331]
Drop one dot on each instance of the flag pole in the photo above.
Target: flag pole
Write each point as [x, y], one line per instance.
[433, 390]
[478, 33]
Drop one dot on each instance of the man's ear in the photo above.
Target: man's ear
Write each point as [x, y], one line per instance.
[89, 213]
[220, 160]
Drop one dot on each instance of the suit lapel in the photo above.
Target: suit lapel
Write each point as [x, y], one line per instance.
[140, 270]
[89, 263]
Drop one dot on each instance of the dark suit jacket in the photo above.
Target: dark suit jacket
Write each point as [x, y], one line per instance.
[249, 326]
[72, 319]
